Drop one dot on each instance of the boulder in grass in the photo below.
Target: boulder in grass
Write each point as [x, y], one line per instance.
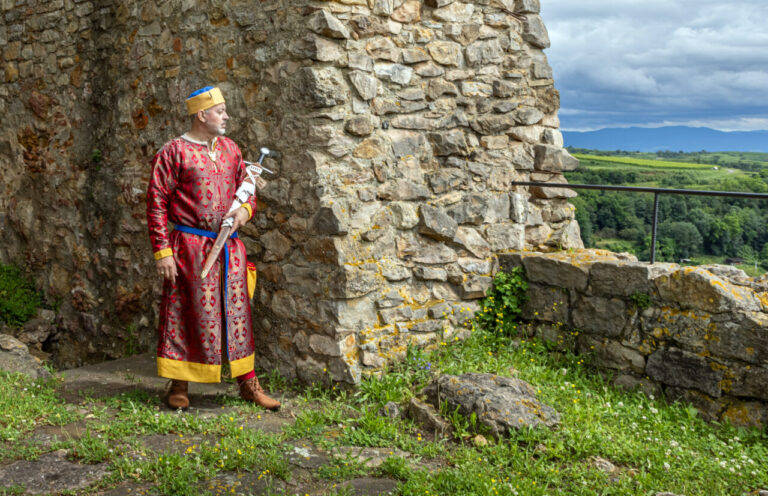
[501, 404]
[15, 357]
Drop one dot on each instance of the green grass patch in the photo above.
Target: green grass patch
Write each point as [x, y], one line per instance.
[654, 446]
[26, 404]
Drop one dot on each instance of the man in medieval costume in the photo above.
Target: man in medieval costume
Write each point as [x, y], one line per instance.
[203, 321]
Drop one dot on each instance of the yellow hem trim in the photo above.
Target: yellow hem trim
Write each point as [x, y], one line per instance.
[247, 206]
[188, 371]
[165, 252]
[242, 366]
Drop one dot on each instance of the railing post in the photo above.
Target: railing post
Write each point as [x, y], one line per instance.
[653, 229]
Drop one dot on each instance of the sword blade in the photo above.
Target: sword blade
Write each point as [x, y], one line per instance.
[221, 240]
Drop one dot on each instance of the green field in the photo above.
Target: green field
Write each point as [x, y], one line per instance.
[643, 162]
[653, 173]
[748, 161]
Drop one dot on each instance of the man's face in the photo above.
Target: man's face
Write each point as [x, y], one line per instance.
[216, 119]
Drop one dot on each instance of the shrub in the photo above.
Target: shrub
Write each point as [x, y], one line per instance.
[18, 299]
[503, 304]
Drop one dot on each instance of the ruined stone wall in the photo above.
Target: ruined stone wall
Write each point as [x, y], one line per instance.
[399, 125]
[698, 334]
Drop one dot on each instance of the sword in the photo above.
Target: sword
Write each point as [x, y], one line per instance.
[245, 191]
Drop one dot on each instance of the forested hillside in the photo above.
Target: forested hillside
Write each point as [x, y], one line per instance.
[695, 228]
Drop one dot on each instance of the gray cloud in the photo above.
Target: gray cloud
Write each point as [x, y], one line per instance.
[656, 62]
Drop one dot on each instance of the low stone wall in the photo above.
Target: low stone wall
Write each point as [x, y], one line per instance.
[696, 334]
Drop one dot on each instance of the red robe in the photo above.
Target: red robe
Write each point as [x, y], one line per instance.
[189, 188]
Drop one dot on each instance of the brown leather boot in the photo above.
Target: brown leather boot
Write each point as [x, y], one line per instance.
[250, 390]
[177, 395]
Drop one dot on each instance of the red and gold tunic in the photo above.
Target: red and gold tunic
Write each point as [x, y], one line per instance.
[192, 187]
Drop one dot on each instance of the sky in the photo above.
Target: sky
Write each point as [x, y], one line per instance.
[620, 63]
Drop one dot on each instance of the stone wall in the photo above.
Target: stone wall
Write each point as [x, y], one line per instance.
[400, 126]
[694, 333]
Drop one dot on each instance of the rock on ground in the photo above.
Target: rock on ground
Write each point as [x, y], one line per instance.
[500, 403]
[15, 357]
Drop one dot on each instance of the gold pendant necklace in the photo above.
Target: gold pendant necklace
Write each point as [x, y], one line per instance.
[213, 155]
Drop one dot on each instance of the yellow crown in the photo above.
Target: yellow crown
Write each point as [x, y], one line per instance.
[204, 101]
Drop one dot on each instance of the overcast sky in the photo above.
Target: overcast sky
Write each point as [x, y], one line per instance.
[660, 62]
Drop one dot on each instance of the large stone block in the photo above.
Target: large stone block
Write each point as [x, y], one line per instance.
[324, 345]
[527, 6]
[492, 124]
[750, 382]
[354, 282]
[402, 189]
[365, 84]
[445, 52]
[527, 116]
[15, 358]
[470, 239]
[451, 142]
[475, 286]
[554, 158]
[438, 87]
[333, 220]
[709, 409]
[554, 272]
[324, 23]
[501, 404]
[399, 314]
[350, 314]
[471, 209]
[505, 236]
[743, 336]
[600, 316]
[547, 304]
[446, 180]
[458, 12]
[436, 224]
[618, 278]
[747, 414]
[430, 274]
[611, 354]
[534, 31]
[277, 245]
[408, 12]
[687, 370]
[396, 73]
[322, 87]
[550, 193]
[566, 236]
[483, 53]
[434, 253]
[694, 287]
[406, 143]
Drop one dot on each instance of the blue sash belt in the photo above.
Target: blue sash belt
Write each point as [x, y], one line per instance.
[214, 235]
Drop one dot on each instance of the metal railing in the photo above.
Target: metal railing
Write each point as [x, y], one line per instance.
[656, 192]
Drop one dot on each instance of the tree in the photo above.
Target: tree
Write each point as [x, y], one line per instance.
[682, 239]
[749, 255]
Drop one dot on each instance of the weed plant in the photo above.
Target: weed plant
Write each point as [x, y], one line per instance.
[18, 299]
[503, 304]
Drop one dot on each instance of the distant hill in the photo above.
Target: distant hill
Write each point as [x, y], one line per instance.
[674, 138]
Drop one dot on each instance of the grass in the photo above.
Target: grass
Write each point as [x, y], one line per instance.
[26, 404]
[655, 446]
